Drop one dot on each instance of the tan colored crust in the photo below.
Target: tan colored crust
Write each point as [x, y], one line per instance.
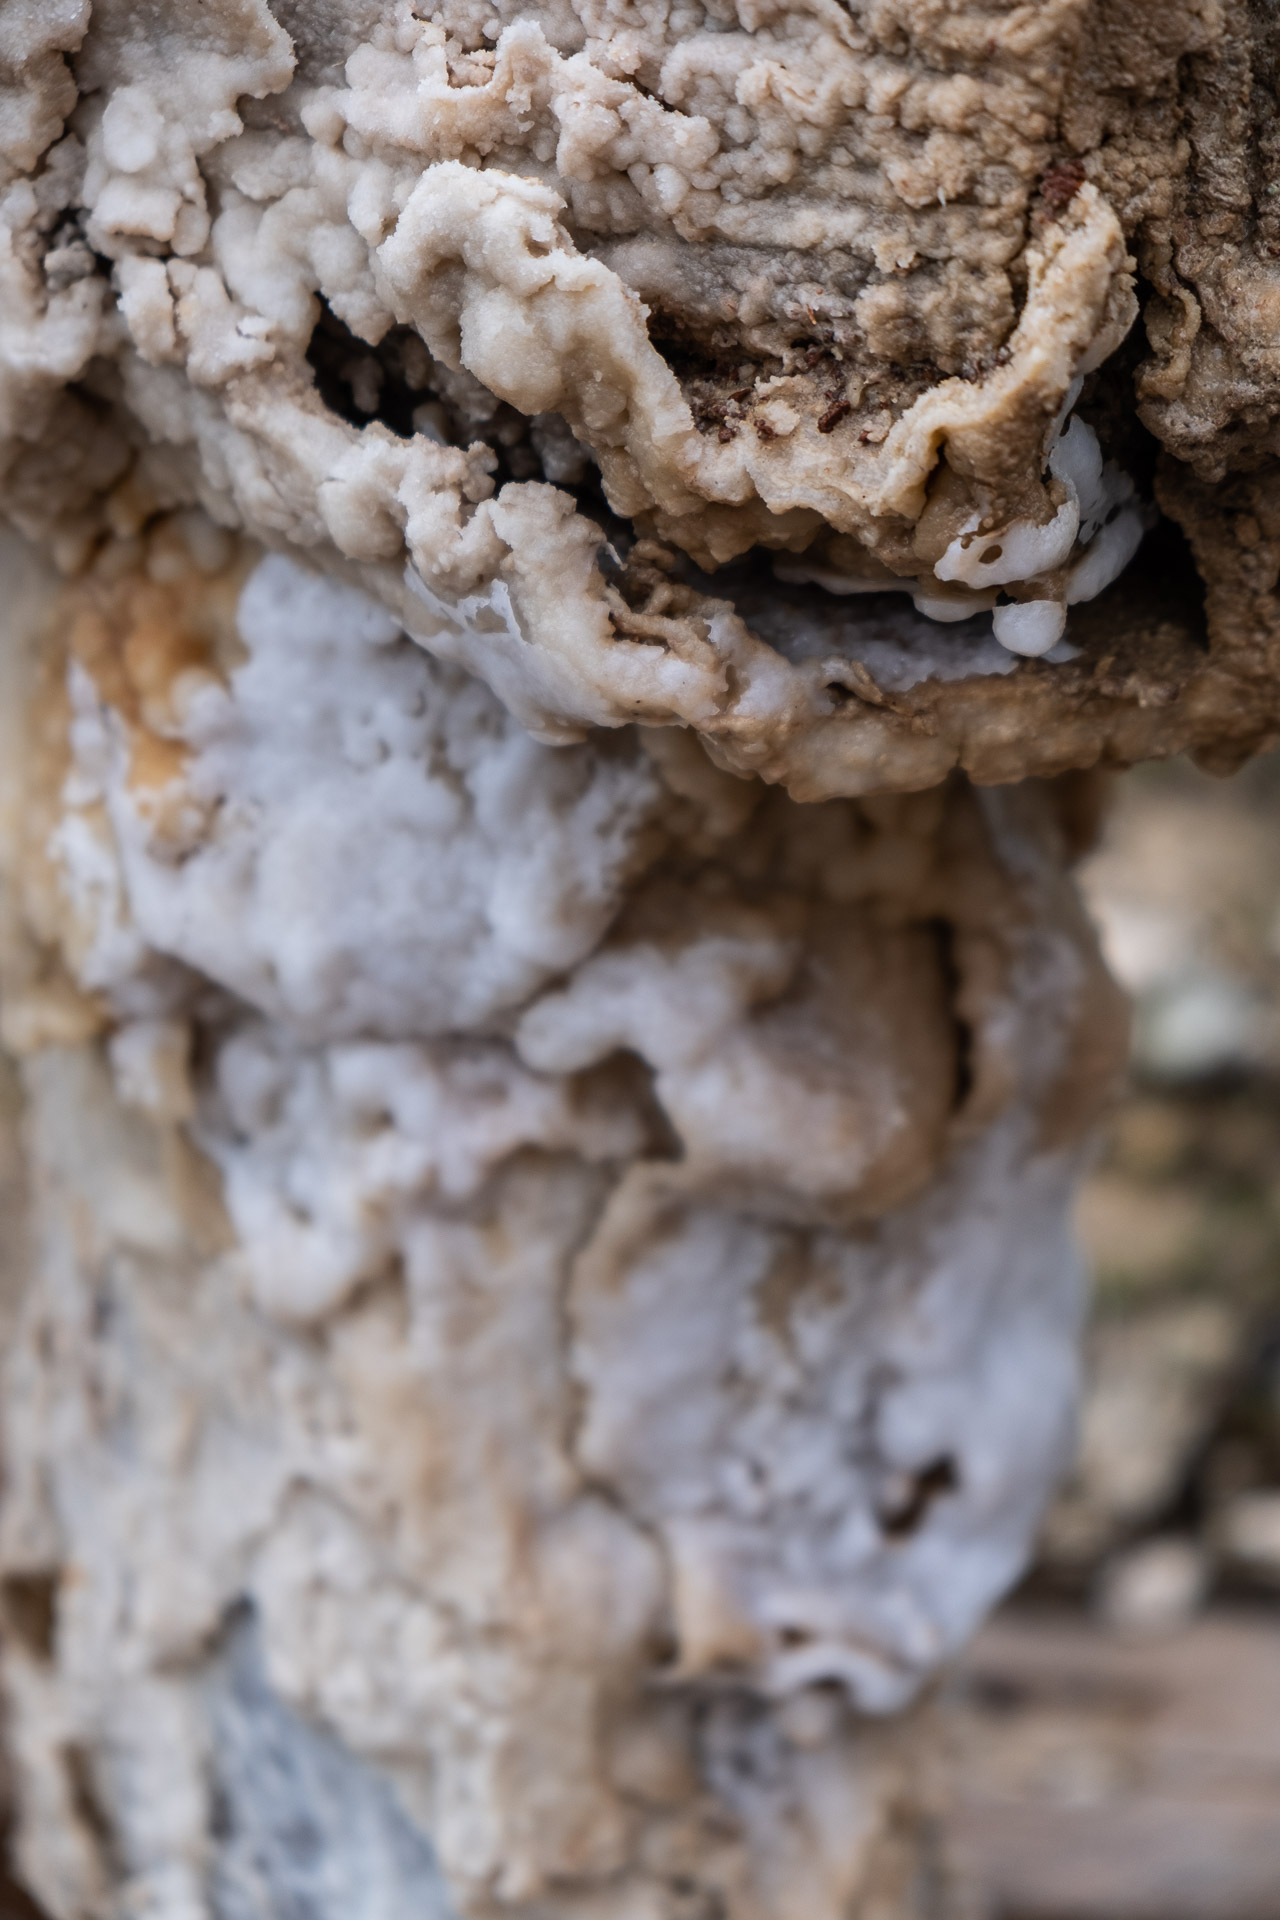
[802, 275]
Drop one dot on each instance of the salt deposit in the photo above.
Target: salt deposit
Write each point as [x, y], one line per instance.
[552, 1100]
[578, 1245]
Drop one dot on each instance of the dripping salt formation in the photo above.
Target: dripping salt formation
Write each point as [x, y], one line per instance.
[552, 1102]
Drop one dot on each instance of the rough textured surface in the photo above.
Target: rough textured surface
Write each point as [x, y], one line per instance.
[454, 301]
[553, 1297]
[552, 1304]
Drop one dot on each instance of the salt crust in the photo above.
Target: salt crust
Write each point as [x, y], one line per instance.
[594, 1339]
[523, 191]
[553, 1302]
[360, 846]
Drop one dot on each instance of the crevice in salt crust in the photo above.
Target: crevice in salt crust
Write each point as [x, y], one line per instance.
[517, 1232]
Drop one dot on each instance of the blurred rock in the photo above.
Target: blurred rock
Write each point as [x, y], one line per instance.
[1185, 889]
[1155, 1586]
[1154, 1385]
[1202, 1023]
[1135, 1232]
[1248, 1534]
[1151, 1138]
[1123, 1763]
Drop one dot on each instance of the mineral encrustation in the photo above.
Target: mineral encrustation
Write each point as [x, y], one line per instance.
[554, 1066]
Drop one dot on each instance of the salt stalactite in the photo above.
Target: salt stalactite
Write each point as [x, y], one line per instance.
[552, 1098]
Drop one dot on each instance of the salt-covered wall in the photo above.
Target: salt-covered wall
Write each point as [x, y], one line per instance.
[552, 1102]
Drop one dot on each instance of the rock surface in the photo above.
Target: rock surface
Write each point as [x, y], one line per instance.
[552, 1299]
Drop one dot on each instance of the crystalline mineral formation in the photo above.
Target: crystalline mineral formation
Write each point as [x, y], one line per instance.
[543, 535]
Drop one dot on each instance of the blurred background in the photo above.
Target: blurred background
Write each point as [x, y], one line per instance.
[1115, 1734]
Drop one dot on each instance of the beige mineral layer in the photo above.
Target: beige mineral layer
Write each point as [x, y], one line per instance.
[876, 389]
[568, 566]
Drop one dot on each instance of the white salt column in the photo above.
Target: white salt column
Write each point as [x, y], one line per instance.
[552, 1313]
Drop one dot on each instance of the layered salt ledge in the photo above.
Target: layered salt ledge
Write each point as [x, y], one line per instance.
[554, 1299]
[542, 200]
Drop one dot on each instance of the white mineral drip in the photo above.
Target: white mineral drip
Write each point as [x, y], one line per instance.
[1108, 553]
[1093, 536]
[1018, 552]
[1031, 627]
[1100, 523]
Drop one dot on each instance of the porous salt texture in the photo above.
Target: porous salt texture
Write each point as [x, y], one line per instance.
[369, 843]
[525, 1380]
[828, 212]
